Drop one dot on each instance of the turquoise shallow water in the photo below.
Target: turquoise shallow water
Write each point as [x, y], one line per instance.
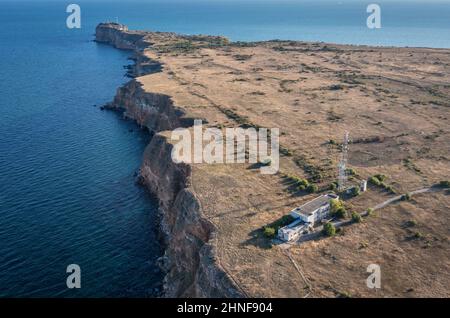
[67, 191]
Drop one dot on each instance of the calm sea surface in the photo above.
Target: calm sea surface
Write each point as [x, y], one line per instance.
[67, 190]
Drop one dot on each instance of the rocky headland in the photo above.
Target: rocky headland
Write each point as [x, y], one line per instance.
[394, 102]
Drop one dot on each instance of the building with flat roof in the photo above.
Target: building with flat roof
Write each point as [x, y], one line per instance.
[315, 210]
[292, 231]
[306, 216]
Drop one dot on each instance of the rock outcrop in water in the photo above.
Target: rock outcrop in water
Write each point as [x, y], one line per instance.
[190, 260]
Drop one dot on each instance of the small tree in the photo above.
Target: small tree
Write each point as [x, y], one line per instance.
[337, 208]
[355, 191]
[374, 180]
[269, 232]
[356, 217]
[333, 186]
[335, 204]
[312, 188]
[340, 213]
[329, 229]
[389, 188]
[369, 211]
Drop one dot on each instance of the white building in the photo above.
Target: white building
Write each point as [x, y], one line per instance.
[292, 231]
[306, 216]
[315, 210]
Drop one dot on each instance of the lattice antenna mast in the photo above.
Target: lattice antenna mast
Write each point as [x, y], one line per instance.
[342, 179]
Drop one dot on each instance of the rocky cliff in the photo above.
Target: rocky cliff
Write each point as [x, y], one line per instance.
[119, 36]
[190, 262]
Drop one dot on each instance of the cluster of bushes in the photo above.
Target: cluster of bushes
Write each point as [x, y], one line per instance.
[312, 188]
[180, 46]
[303, 184]
[271, 230]
[315, 172]
[241, 120]
[299, 182]
[378, 180]
[408, 163]
[368, 140]
[388, 188]
[337, 209]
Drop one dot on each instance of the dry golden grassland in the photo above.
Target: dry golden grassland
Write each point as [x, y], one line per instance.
[395, 103]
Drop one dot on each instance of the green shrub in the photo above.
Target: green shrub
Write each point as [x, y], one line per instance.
[378, 180]
[333, 186]
[380, 177]
[298, 181]
[344, 294]
[356, 217]
[389, 188]
[303, 182]
[269, 232]
[340, 213]
[369, 211]
[406, 197]
[329, 229]
[334, 205]
[355, 191]
[375, 181]
[312, 188]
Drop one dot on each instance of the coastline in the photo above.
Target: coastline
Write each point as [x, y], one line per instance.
[191, 269]
[208, 254]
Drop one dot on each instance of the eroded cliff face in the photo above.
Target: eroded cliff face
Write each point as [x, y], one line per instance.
[155, 112]
[118, 36]
[190, 261]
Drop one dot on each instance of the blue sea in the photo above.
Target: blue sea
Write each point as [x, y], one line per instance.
[67, 169]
